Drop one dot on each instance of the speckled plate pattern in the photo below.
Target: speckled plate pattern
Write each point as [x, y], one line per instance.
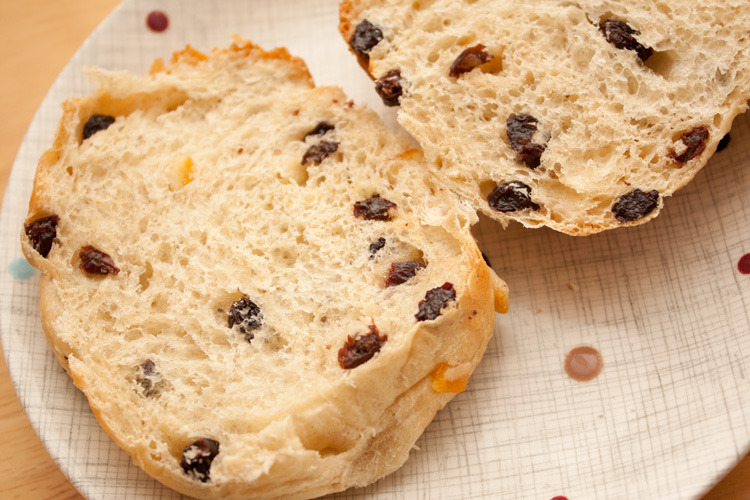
[665, 304]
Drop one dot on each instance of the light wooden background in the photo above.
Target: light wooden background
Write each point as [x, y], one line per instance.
[37, 37]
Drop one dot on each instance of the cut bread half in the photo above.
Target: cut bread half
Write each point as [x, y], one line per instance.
[577, 115]
[262, 291]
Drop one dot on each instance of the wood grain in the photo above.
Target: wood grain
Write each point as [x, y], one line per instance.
[37, 38]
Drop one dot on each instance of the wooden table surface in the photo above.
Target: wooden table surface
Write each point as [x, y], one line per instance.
[37, 37]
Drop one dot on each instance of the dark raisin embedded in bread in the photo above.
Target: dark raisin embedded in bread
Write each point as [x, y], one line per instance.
[622, 36]
[376, 246]
[511, 197]
[695, 142]
[521, 129]
[42, 232]
[145, 377]
[401, 272]
[635, 204]
[365, 37]
[434, 301]
[246, 316]
[361, 348]
[197, 458]
[318, 152]
[148, 368]
[374, 208]
[470, 59]
[97, 123]
[95, 261]
[389, 88]
[320, 129]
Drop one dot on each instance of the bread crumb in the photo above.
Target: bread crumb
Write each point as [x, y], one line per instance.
[572, 286]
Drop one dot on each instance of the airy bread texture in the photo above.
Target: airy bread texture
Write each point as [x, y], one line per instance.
[628, 99]
[197, 193]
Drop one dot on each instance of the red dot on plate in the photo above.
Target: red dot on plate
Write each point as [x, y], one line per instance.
[157, 21]
[744, 264]
[560, 498]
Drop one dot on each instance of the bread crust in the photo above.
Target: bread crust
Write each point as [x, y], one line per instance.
[355, 427]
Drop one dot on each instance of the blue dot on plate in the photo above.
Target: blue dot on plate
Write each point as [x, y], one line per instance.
[20, 269]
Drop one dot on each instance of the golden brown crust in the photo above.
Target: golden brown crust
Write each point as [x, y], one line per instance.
[242, 49]
[345, 19]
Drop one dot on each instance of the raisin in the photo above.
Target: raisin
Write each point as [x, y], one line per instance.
[470, 59]
[622, 36]
[95, 261]
[376, 246]
[197, 458]
[521, 128]
[374, 208]
[511, 197]
[320, 129]
[148, 367]
[318, 152]
[389, 88]
[695, 140]
[97, 123]
[401, 272]
[635, 205]
[435, 300]
[723, 143]
[42, 232]
[361, 348]
[246, 315]
[147, 386]
[366, 36]
[145, 378]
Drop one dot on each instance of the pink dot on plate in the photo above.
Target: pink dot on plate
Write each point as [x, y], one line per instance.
[744, 264]
[157, 21]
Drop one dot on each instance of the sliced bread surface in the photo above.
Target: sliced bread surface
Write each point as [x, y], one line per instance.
[259, 288]
[577, 115]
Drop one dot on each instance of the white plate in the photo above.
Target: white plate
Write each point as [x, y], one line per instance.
[664, 303]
